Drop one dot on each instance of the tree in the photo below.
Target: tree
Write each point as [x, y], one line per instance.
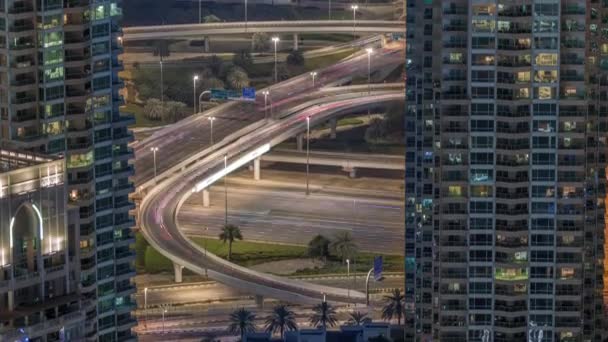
[174, 111]
[260, 41]
[295, 58]
[324, 315]
[211, 19]
[215, 64]
[343, 246]
[358, 318]
[229, 234]
[237, 78]
[243, 59]
[153, 109]
[376, 130]
[318, 247]
[241, 322]
[280, 320]
[394, 306]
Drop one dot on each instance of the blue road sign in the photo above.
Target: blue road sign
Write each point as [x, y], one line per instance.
[249, 93]
[378, 268]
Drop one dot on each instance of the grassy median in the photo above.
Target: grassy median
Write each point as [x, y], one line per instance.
[247, 253]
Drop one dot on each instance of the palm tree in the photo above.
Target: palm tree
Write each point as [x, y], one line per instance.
[241, 322]
[318, 247]
[280, 320]
[230, 233]
[394, 306]
[237, 78]
[343, 246]
[358, 318]
[324, 315]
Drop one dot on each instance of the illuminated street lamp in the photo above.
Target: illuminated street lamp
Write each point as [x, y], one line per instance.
[369, 75]
[313, 74]
[307, 154]
[164, 312]
[194, 79]
[162, 85]
[348, 277]
[354, 8]
[265, 93]
[146, 304]
[276, 41]
[225, 189]
[211, 119]
[154, 150]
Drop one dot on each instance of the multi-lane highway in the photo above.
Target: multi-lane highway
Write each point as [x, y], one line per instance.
[276, 27]
[279, 212]
[191, 135]
[157, 215]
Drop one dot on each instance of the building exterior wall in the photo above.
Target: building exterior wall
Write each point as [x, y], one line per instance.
[39, 261]
[59, 95]
[506, 126]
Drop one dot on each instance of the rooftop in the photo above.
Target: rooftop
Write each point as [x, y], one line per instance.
[12, 159]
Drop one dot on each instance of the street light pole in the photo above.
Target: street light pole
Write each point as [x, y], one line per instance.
[313, 74]
[265, 92]
[162, 85]
[275, 40]
[225, 190]
[367, 286]
[205, 247]
[194, 79]
[211, 119]
[200, 12]
[164, 312]
[369, 76]
[329, 9]
[146, 305]
[354, 8]
[348, 277]
[154, 150]
[307, 154]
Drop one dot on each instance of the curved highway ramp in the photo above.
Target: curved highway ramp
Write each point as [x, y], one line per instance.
[158, 209]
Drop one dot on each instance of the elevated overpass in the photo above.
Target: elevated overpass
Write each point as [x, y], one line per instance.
[349, 162]
[205, 31]
[158, 208]
[185, 159]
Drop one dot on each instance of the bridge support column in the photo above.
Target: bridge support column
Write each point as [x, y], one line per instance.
[178, 272]
[296, 41]
[206, 202]
[259, 301]
[333, 124]
[300, 140]
[207, 41]
[383, 41]
[256, 169]
[352, 172]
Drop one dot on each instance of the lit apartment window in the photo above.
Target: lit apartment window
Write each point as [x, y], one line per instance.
[546, 59]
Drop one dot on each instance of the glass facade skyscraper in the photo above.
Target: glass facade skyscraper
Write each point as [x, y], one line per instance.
[506, 126]
[59, 95]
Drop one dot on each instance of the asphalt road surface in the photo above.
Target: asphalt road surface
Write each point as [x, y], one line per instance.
[287, 215]
[191, 135]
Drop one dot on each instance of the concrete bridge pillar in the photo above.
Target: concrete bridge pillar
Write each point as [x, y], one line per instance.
[296, 41]
[207, 41]
[333, 124]
[383, 40]
[259, 301]
[206, 202]
[178, 269]
[300, 140]
[352, 172]
[256, 169]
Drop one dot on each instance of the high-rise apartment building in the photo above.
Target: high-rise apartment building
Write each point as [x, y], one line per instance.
[59, 95]
[39, 265]
[506, 127]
